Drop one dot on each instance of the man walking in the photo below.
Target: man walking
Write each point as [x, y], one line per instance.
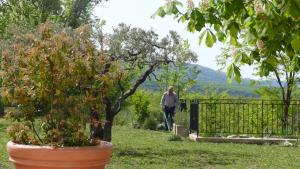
[169, 102]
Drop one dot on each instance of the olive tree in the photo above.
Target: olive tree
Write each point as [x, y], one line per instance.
[133, 55]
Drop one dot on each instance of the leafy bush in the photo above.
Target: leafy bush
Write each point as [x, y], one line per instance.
[150, 123]
[156, 112]
[53, 72]
[182, 118]
[124, 118]
[141, 103]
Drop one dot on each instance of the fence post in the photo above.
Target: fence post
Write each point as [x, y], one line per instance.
[194, 116]
[183, 106]
[262, 118]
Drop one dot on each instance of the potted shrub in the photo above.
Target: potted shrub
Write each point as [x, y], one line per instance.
[51, 77]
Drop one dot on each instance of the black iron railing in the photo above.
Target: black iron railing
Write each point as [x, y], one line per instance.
[253, 117]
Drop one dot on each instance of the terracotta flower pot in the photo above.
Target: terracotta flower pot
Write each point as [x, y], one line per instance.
[46, 157]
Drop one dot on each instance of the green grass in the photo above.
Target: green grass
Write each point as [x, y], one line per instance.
[4, 163]
[144, 149]
[140, 149]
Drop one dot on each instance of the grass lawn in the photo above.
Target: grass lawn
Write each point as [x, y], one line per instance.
[4, 163]
[143, 149]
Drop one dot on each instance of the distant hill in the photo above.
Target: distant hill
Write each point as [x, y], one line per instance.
[210, 75]
[217, 81]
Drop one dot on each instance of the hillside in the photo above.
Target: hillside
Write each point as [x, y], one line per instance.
[209, 79]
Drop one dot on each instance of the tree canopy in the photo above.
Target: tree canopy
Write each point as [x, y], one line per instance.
[265, 33]
[31, 13]
[268, 28]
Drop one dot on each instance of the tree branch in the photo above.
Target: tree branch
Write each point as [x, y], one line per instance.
[280, 83]
[117, 106]
[152, 44]
[134, 54]
[120, 86]
[290, 84]
[285, 66]
[155, 77]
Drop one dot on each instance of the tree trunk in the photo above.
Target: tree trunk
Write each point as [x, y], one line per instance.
[286, 115]
[287, 103]
[108, 126]
[2, 113]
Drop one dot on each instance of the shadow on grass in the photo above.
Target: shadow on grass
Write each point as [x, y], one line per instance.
[181, 157]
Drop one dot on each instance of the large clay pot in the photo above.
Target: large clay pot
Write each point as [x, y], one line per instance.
[46, 157]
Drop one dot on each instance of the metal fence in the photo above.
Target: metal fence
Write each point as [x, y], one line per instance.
[252, 117]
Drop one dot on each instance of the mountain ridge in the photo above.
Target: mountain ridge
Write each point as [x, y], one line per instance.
[214, 80]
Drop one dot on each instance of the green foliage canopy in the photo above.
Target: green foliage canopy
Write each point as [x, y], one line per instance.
[269, 27]
[31, 13]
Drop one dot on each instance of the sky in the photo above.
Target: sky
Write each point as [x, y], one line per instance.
[137, 13]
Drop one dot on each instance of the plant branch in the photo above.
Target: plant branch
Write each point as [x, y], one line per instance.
[117, 106]
[35, 132]
[280, 83]
[285, 66]
[155, 77]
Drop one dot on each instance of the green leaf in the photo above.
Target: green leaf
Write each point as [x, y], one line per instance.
[160, 12]
[178, 3]
[168, 9]
[213, 19]
[233, 41]
[191, 26]
[295, 64]
[237, 73]
[171, 8]
[246, 59]
[294, 8]
[290, 51]
[221, 36]
[238, 58]
[228, 10]
[233, 70]
[184, 18]
[199, 25]
[238, 5]
[210, 39]
[263, 30]
[296, 42]
[198, 19]
[217, 27]
[298, 64]
[255, 55]
[229, 73]
[233, 29]
[201, 36]
[272, 60]
[265, 69]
